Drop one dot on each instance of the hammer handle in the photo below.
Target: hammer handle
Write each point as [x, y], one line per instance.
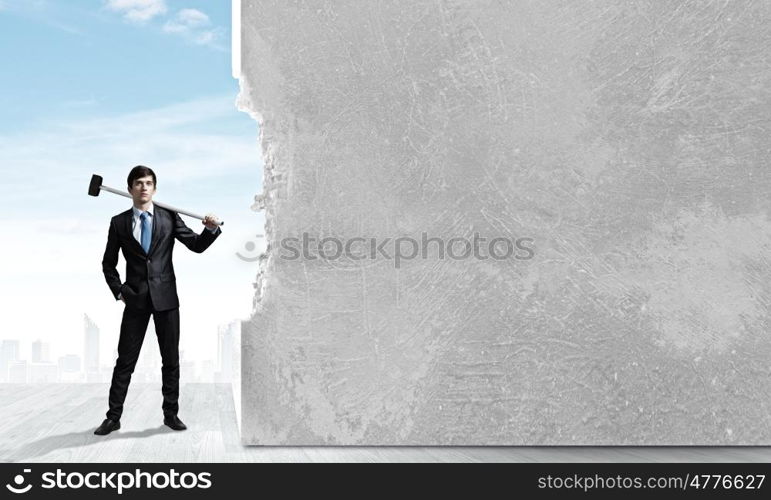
[163, 205]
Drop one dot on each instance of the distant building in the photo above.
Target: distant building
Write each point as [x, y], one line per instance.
[69, 363]
[17, 372]
[42, 373]
[228, 351]
[90, 346]
[9, 353]
[69, 369]
[206, 371]
[187, 371]
[41, 351]
[148, 368]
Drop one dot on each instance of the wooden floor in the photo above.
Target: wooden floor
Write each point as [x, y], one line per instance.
[55, 423]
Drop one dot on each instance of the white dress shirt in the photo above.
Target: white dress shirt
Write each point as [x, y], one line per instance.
[136, 226]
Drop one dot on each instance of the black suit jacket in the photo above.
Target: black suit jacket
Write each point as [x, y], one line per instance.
[151, 272]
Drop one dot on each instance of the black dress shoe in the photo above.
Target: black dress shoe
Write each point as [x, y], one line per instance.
[175, 423]
[107, 427]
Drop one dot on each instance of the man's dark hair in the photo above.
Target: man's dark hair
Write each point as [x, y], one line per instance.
[140, 171]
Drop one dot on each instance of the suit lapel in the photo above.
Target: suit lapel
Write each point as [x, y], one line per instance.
[154, 230]
[128, 223]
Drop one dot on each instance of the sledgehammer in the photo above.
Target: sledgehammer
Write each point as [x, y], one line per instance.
[96, 186]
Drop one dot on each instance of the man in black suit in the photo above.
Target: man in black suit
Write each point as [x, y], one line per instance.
[146, 233]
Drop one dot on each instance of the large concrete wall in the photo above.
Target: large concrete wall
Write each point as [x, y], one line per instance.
[629, 140]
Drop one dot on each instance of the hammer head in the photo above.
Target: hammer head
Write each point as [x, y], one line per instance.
[95, 185]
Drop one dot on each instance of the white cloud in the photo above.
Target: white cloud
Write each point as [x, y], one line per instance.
[186, 21]
[192, 17]
[194, 26]
[137, 10]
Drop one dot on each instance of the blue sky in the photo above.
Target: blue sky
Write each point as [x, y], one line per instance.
[98, 86]
[78, 58]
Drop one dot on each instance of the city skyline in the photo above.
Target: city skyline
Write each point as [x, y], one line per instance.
[47, 366]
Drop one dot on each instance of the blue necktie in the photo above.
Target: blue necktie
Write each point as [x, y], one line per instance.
[145, 231]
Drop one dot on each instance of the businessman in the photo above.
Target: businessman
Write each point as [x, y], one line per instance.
[146, 233]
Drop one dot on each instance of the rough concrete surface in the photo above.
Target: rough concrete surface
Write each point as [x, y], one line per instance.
[625, 144]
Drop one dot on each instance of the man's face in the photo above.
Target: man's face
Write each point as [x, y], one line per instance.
[143, 189]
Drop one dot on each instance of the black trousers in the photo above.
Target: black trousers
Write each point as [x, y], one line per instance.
[132, 334]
